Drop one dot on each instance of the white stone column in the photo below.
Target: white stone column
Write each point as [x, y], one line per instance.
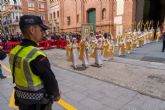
[119, 17]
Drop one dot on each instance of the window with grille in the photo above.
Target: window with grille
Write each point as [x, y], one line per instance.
[78, 18]
[57, 14]
[51, 16]
[41, 5]
[104, 14]
[68, 20]
[54, 14]
[31, 4]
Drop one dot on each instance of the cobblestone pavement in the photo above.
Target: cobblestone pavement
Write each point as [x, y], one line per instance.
[115, 86]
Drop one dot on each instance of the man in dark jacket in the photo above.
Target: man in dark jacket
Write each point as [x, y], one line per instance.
[163, 37]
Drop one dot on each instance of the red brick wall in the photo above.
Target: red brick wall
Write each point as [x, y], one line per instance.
[128, 16]
[114, 12]
[25, 7]
[73, 7]
[36, 9]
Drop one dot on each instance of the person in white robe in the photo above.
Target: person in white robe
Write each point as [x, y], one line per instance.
[74, 53]
[99, 53]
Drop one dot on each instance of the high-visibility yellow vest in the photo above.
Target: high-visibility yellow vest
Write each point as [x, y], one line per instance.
[25, 79]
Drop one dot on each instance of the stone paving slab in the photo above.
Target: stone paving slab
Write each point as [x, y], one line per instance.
[153, 59]
[145, 77]
[87, 93]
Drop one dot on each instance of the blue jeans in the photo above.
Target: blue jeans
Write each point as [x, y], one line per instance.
[1, 71]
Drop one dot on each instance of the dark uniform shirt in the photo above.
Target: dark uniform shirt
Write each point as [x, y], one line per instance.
[163, 35]
[41, 67]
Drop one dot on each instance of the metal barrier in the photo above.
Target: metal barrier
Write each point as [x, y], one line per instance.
[46, 44]
[7, 46]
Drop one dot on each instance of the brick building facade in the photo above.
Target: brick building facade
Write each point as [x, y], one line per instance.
[0, 19]
[105, 15]
[116, 16]
[12, 10]
[35, 7]
[53, 15]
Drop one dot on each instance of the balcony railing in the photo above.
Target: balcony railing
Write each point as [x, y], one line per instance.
[10, 22]
[14, 23]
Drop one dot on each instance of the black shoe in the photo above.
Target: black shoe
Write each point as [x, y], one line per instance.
[85, 66]
[75, 67]
[3, 77]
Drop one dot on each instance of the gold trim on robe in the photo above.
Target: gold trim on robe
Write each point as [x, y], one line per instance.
[83, 48]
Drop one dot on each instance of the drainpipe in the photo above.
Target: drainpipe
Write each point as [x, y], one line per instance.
[100, 15]
[76, 14]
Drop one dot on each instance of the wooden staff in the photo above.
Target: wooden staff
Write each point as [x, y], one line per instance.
[137, 26]
[150, 24]
[164, 23]
[134, 25]
[147, 24]
[141, 25]
[157, 24]
[144, 24]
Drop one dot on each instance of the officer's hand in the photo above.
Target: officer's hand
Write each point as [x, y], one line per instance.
[57, 98]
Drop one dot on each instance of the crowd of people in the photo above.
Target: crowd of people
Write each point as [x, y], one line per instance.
[102, 46]
[9, 37]
[126, 42]
[63, 35]
[53, 36]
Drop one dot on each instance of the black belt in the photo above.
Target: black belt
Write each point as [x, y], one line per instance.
[29, 95]
[32, 97]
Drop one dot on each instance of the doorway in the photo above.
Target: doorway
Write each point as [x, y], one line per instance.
[148, 10]
[91, 17]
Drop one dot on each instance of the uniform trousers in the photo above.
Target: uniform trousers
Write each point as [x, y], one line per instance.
[35, 107]
[163, 46]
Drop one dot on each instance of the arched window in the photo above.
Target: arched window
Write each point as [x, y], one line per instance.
[57, 14]
[103, 13]
[54, 15]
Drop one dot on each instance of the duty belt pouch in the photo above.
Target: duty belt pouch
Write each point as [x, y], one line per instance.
[28, 97]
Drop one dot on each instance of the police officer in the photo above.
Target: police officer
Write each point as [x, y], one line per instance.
[36, 86]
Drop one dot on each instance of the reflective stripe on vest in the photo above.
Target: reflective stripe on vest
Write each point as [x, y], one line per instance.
[27, 71]
[29, 81]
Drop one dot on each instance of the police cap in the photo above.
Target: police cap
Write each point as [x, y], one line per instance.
[32, 20]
